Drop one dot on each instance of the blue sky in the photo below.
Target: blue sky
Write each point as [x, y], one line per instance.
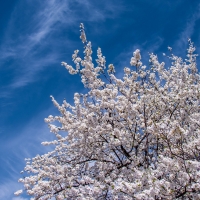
[35, 36]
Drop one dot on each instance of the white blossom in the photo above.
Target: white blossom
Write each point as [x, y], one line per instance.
[17, 193]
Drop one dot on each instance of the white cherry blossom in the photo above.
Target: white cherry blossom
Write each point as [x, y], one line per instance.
[132, 138]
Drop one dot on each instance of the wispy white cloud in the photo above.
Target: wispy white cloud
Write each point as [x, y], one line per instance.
[26, 47]
[188, 31]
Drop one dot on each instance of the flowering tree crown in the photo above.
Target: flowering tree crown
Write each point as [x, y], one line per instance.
[132, 138]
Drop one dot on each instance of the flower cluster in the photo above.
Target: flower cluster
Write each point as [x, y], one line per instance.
[131, 138]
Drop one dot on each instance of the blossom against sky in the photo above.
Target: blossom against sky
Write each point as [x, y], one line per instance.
[36, 36]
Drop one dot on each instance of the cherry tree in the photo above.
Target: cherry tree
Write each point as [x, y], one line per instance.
[132, 138]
